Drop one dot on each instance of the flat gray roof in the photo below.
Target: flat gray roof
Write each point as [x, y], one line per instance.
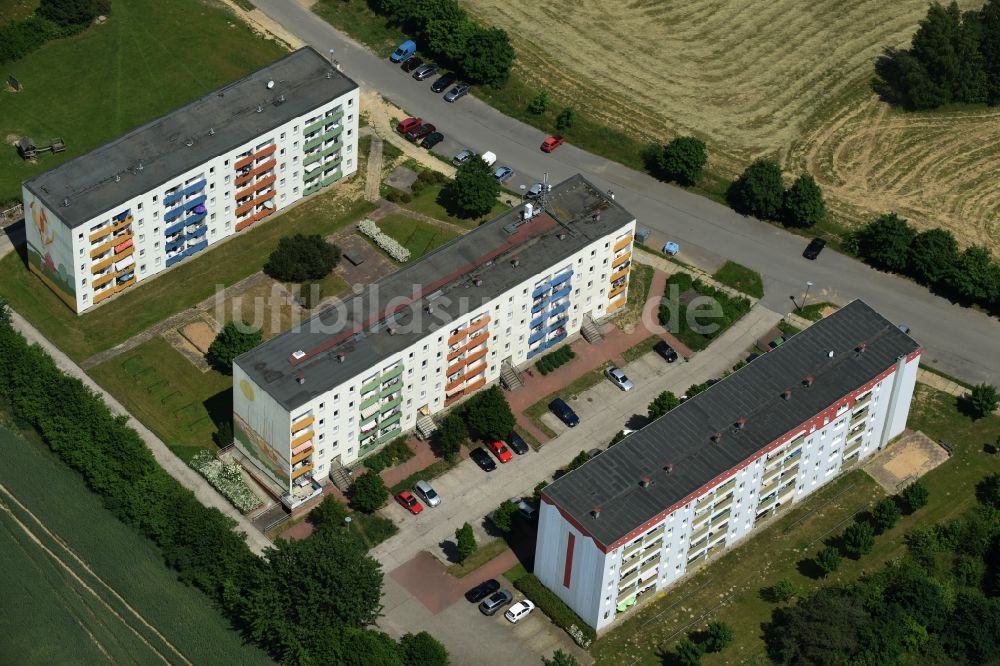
[683, 437]
[352, 338]
[215, 124]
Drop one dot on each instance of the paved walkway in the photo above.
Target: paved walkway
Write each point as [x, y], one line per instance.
[940, 383]
[173, 465]
[374, 178]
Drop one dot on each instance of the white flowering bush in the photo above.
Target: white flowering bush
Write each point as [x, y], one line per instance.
[578, 636]
[227, 479]
[384, 241]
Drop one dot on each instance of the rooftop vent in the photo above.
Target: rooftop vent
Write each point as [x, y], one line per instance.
[829, 354]
[391, 329]
[645, 482]
[329, 75]
[596, 512]
[740, 423]
[189, 142]
[211, 131]
[65, 203]
[716, 436]
[786, 394]
[118, 177]
[259, 108]
[478, 281]
[515, 262]
[270, 84]
[301, 379]
[562, 236]
[808, 381]
[341, 357]
[429, 307]
[140, 167]
[668, 468]
[298, 354]
[529, 210]
[860, 348]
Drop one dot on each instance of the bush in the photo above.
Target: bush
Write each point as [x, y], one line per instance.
[395, 452]
[450, 435]
[759, 191]
[488, 414]
[398, 196]
[885, 243]
[234, 339]
[566, 118]
[858, 539]
[885, 515]
[503, 515]
[557, 611]
[933, 256]
[687, 652]
[539, 103]
[780, 592]
[227, 479]
[329, 513]
[718, 636]
[391, 246]
[682, 160]
[983, 400]
[577, 461]
[68, 12]
[803, 203]
[19, 38]
[368, 492]
[988, 491]
[559, 357]
[422, 650]
[299, 258]
[912, 497]
[662, 404]
[465, 540]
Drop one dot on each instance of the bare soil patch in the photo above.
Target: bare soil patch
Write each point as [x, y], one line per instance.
[200, 334]
[907, 459]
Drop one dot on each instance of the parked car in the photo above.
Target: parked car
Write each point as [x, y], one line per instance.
[501, 451]
[619, 379]
[519, 610]
[425, 490]
[815, 246]
[503, 174]
[483, 459]
[409, 502]
[489, 157]
[551, 143]
[495, 602]
[455, 93]
[483, 590]
[425, 72]
[407, 124]
[442, 82]
[404, 51]
[517, 443]
[462, 157]
[666, 351]
[418, 133]
[411, 64]
[524, 508]
[432, 139]
[535, 191]
[564, 412]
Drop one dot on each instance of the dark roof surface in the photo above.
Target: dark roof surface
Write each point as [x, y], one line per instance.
[218, 122]
[348, 339]
[683, 437]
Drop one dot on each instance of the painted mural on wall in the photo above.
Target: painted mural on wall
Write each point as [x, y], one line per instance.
[50, 249]
[253, 444]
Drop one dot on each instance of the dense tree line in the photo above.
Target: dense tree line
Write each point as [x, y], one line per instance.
[938, 604]
[932, 258]
[306, 602]
[53, 19]
[442, 28]
[760, 191]
[953, 57]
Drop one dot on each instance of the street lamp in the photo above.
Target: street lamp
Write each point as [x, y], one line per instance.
[806, 295]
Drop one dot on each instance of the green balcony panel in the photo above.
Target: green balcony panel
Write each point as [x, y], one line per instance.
[333, 133]
[368, 420]
[312, 143]
[332, 178]
[391, 420]
[311, 189]
[391, 374]
[312, 127]
[311, 175]
[371, 384]
[368, 402]
[392, 403]
[389, 390]
[389, 436]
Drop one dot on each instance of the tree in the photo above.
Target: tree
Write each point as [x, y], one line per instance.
[977, 277]
[489, 415]
[682, 160]
[804, 205]
[451, 434]
[859, 539]
[560, 658]
[933, 256]
[619, 436]
[539, 103]
[780, 592]
[885, 243]
[234, 339]
[988, 492]
[362, 647]
[329, 513]
[450, 36]
[759, 191]
[577, 461]
[368, 492]
[687, 652]
[488, 57]
[566, 118]
[474, 190]
[68, 12]
[983, 400]
[718, 636]
[423, 650]
[828, 560]
[536, 494]
[694, 390]
[885, 515]
[466, 541]
[989, 46]
[662, 404]
[503, 515]
[299, 258]
[913, 497]
[822, 629]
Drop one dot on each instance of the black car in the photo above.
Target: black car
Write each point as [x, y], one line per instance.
[442, 82]
[564, 412]
[483, 459]
[517, 443]
[411, 63]
[432, 139]
[815, 246]
[666, 351]
[483, 590]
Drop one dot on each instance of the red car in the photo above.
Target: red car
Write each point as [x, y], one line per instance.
[409, 502]
[501, 451]
[417, 133]
[552, 143]
[408, 124]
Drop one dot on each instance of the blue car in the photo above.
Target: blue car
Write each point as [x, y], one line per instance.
[405, 50]
[564, 412]
[503, 174]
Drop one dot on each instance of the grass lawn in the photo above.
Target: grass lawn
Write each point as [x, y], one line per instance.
[640, 278]
[483, 554]
[740, 278]
[169, 395]
[814, 311]
[58, 620]
[571, 390]
[15, 10]
[729, 588]
[515, 573]
[185, 285]
[120, 78]
[641, 349]
[417, 236]
[426, 203]
[698, 326]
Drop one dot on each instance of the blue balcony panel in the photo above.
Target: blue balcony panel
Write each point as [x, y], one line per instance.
[196, 248]
[556, 340]
[565, 291]
[535, 337]
[173, 260]
[122, 215]
[559, 309]
[556, 281]
[558, 324]
[194, 219]
[173, 213]
[541, 289]
[174, 229]
[540, 305]
[197, 233]
[174, 244]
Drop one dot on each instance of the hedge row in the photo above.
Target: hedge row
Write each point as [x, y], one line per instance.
[391, 454]
[557, 610]
[550, 362]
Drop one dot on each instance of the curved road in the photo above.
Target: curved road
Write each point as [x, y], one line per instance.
[957, 340]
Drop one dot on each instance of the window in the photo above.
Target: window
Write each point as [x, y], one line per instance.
[142, 268]
[321, 435]
[140, 204]
[283, 136]
[83, 282]
[142, 253]
[227, 178]
[211, 169]
[157, 261]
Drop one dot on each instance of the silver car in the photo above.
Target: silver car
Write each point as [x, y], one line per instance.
[462, 157]
[425, 72]
[458, 91]
[618, 378]
[427, 493]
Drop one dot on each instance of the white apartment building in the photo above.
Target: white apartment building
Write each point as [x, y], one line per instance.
[319, 397]
[152, 198]
[696, 481]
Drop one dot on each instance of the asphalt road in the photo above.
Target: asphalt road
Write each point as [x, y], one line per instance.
[959, 341]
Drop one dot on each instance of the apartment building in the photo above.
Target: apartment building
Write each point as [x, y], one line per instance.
[150, 199]
[317, 398]
[698, 480]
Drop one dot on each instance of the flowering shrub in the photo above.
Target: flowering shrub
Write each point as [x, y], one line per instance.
[384, 241]
[227, 479]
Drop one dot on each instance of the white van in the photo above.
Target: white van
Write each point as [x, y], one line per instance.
[490, 158]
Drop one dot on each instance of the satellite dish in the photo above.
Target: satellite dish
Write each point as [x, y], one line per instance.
[270, 84]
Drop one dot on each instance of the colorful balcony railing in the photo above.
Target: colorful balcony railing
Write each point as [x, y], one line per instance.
[174, 213]
[171, 199]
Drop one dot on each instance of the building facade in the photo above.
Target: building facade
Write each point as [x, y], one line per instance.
[693, 483]
[346, 382]
[147, 201]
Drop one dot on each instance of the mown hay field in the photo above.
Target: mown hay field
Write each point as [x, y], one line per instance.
[776, 78]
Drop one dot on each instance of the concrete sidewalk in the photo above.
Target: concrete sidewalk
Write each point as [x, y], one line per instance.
[173, 465]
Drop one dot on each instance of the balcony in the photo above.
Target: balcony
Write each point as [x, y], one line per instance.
[699, 533]
[171, 199]
[302, 438]
[863, 401]
[724, 504]
[655, 535]
[649, 565]
[616, 305]
[543, 288]
[852, 449]
[252, 173]
[619, 275]
[617, 290]
[296, 473]
[631, 550]
[303, 423]
[622, 244]
[559, 279]
[302, 456]
[561, 293]
[771, 475]
[621, 260]
[331, 178]
[174, 243]
[320, 154]
[720, 518]
[393, 418]
[255, 187]
[858, 419]
[197, 232]
[174, 213]
[250, 205]
[388, 436]
[627, 582]
[194, 249]
[390, 404]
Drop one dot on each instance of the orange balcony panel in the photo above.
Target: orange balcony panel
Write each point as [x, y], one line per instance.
[253, 173]
[302, 456]
[302, 423]
[478, 325]
[460, 335]
[243, 161]
[103, 247]
[103, 280]
[619, 275]
[623, 243]
[471, 372]
[450, 400]
[296, 473]
[102, 264]
[621, 260]
[243, 224]
[259, 185]
[475, 386]
[472, 358]
[100, 233]
[616, 305]
[124, 253]
[265, 151]
[121, 225]
[302, 439]
[124, 245]
[125, 285]
[248, 206]
[104, 294]
[471, 344]
[617, 290]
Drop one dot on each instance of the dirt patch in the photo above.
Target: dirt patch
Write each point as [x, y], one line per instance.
[262, 24]
[200, 334]
[907, 459]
